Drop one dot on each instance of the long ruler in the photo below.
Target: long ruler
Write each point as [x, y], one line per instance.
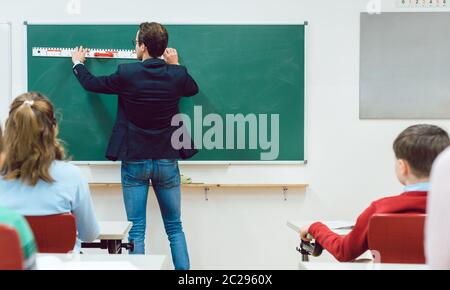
[91, 53]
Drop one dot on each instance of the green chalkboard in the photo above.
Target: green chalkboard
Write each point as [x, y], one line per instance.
[254, 70]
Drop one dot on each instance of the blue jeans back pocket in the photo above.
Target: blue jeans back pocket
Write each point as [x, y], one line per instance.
[134, 173]
[168, 173]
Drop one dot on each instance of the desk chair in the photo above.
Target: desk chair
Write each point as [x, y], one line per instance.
[397, 238]
[11, 256]
[54, 233]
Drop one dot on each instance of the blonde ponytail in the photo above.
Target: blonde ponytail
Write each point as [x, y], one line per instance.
[31, 140]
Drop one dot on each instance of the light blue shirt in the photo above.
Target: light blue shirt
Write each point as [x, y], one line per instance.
[69, 193]
[423, 186]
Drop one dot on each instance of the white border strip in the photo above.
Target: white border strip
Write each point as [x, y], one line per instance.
[10, 44]
[10, 59]
[25, 42]
[227, 163]
[168, 23]
[305, 91]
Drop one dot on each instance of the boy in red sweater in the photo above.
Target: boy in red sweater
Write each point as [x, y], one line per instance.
[415, 148]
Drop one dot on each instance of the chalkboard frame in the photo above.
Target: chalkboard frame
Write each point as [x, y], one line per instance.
[196, 162]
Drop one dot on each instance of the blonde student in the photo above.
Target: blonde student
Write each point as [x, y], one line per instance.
[34, 179]
[415, 149]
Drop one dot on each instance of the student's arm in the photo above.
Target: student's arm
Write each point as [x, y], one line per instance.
[349, 247]
[83, 210]
[28, 243]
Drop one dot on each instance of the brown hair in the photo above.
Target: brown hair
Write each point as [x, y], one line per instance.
[155, 37]
[419, 145]
[31, 139]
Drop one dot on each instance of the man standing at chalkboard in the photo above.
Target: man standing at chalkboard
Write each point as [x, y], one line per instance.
[149, 92]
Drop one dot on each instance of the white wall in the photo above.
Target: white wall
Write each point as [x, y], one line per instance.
[5, 66]
[350, 162]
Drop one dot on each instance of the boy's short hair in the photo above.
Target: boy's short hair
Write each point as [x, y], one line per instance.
[419, 145]
[155, 37]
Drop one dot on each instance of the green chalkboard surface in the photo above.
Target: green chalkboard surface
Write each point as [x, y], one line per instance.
[253, 70]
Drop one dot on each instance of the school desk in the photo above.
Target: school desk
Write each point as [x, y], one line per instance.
[100, 262]
[111, 237]
[297, 225]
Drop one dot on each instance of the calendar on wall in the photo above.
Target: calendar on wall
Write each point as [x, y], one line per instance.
[423, 3]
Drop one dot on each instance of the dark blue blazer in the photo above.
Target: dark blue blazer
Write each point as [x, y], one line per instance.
[149, 93]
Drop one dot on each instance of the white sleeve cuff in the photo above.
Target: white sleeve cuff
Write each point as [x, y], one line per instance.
[77, 63]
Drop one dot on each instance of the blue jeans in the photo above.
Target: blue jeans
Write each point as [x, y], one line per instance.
[165, 177]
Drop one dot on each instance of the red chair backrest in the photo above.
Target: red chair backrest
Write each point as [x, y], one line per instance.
[397, 238]
[54, 233]
[11, 256]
